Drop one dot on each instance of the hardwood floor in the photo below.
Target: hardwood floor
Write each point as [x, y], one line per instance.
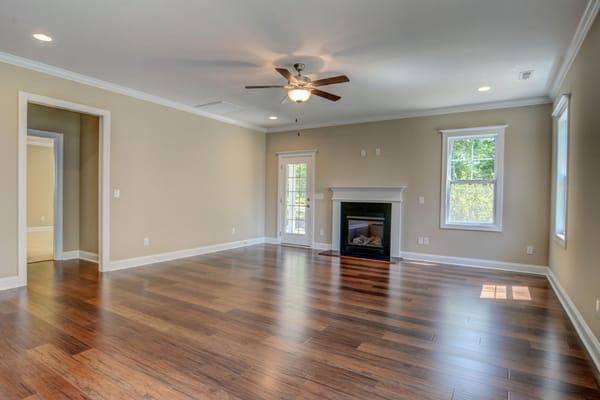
[268, 322]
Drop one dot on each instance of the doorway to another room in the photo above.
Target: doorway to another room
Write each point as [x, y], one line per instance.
[63, 176]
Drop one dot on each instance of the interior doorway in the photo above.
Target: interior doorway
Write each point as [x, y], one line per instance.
[45, 201]
[79, 170]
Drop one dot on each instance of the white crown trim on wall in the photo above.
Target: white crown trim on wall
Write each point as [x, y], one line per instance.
[112, 87]
[413, 114]
[585, 23]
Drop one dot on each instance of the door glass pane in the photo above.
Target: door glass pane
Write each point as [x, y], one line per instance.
[295, 198]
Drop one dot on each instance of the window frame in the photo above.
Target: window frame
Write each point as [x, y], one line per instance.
[561, 110]
[497, 131]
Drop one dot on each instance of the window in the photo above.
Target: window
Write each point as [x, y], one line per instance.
[561, 164]
[472, 178]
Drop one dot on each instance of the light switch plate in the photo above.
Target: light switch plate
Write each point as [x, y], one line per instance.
[426, 241]
[421, 200]
[116, 193]
[363, 153]
[420, 240]
[378, 151]
[146, 242]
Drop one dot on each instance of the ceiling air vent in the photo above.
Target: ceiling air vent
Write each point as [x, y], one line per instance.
[525, 75]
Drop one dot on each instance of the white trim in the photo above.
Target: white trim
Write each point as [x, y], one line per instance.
[58, 143]
[297, 152]
[476, 263]
[175, 255]
[10, 282]
[103, 182]
[590, 341]
[272, 240]
[281, 156]
[321, 246]
[68, 255]
[47, 228]
[78, 255]
[111, 87]
[499, 131]
[585, 23]
[40, 141]
[534, 101]
[561, 105]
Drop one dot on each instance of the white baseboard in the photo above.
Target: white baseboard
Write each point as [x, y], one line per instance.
[10, 282]
[174, 255]
[272, 240]
[48, 228]
[322, 246]
[78, 255]
[590, 341]
[88, 256]
[476, 263]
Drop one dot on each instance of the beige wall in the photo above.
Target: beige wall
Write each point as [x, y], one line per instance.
[40, 186]
[577, 266]
[88, 183]
[67, 123]
[411, 155]
[185, 180]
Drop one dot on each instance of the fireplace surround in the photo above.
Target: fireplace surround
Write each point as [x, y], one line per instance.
[394, 196]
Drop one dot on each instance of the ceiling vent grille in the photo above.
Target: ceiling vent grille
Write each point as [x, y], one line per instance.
[525, 75]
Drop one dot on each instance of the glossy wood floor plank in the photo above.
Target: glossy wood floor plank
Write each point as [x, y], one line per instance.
[269, 322]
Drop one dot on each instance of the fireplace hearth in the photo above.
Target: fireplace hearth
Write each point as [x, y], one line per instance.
[365, 230]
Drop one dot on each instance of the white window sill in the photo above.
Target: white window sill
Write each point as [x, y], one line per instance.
[561, 240]
[472, 227]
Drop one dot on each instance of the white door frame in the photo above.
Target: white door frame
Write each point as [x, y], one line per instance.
[58, 139]
[103, 182]
[310, 190]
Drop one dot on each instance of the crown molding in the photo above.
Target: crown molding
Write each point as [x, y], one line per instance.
[413, 114]
[585, 23]
[112, 87]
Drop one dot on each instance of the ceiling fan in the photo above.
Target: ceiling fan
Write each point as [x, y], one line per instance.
[301, 87]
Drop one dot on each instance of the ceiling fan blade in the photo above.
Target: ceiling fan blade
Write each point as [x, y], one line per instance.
[286, 74]
[326, 95]
[264, 87]
[330, 81]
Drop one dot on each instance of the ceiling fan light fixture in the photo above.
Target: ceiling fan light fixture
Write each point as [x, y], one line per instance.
[299, 95]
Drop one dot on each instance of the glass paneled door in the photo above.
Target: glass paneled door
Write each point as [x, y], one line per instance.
[295, 188]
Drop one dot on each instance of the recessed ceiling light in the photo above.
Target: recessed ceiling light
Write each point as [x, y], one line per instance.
[485, 89]
[41, 37]
[273, 117]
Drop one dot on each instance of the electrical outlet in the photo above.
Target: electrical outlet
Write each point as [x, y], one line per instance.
[420, 240]
[116, 193]
[421, 200]
[378, 151]
[598, 308]
[530, 250]
[43, 218]
[233, 230]
[146, 242]
[426, 241]
[363, 153]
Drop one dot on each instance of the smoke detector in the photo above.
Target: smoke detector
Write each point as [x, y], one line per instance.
[525, 75]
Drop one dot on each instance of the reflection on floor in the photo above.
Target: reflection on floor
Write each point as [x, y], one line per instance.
[269, 322]
[40, 245]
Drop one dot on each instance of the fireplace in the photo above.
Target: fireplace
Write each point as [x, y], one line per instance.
[365, 230]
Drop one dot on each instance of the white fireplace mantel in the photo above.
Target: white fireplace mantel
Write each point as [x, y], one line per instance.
[391, 195]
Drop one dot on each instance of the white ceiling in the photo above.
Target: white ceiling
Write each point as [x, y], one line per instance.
[400, 55]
